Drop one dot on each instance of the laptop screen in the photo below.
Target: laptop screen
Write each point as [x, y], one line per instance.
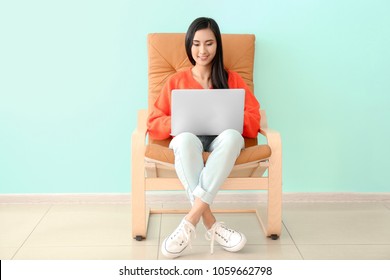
[207, 111]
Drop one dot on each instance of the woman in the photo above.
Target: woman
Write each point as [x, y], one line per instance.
[204, 49]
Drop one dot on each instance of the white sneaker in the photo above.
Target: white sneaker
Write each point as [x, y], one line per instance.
[174, 245]
[229, 239]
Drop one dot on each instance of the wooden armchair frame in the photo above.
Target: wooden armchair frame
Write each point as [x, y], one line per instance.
[143, 180]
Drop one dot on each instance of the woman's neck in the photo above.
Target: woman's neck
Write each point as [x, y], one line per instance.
[202, 75]
[203, 72]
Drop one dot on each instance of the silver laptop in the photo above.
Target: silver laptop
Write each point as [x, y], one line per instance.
[207, 111]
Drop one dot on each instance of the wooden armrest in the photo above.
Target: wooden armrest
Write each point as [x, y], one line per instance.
[272, 136]
[139, 134]
[138, 140]
[273, 139]
[275, 143]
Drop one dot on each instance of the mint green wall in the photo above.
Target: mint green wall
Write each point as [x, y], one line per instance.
[74, 73]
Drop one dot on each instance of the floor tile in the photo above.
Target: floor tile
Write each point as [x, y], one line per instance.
[153, 234]
[85, 225]
[18, 221]
[337, 223]
[103, 231]
[88, 253]
[253, 252]
[345, 252]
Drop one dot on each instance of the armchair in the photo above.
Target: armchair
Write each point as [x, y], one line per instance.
[153, 162]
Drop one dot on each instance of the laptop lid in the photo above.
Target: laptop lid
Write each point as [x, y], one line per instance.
[207, 111]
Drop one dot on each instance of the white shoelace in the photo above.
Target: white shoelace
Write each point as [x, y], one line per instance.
[226, 234]
[184, 232]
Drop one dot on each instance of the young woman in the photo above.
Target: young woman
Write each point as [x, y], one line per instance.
[201, 181]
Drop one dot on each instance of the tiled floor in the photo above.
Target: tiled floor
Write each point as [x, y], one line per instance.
[103, 231]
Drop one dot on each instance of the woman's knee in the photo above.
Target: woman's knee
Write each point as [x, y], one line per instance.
[232, 136]
[185, 140]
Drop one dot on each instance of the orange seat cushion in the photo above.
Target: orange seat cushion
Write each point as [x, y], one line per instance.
[251, 154]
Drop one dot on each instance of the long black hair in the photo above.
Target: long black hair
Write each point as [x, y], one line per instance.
[219, 75]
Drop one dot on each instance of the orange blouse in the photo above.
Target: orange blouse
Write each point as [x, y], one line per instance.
[159, 120]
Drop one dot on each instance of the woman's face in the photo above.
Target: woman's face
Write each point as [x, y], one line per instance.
[204, 47]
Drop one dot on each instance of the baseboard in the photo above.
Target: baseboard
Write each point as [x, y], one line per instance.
[77, 198]
[179, 197]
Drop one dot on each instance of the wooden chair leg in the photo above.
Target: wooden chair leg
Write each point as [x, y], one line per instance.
[274, 213]
[139, 218]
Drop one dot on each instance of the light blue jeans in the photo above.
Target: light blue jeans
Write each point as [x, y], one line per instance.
[199, 179]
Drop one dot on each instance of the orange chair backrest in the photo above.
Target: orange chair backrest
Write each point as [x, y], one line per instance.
[167, 55]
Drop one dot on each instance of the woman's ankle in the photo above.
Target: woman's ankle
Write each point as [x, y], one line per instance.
[208, 223]
[192, 220]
